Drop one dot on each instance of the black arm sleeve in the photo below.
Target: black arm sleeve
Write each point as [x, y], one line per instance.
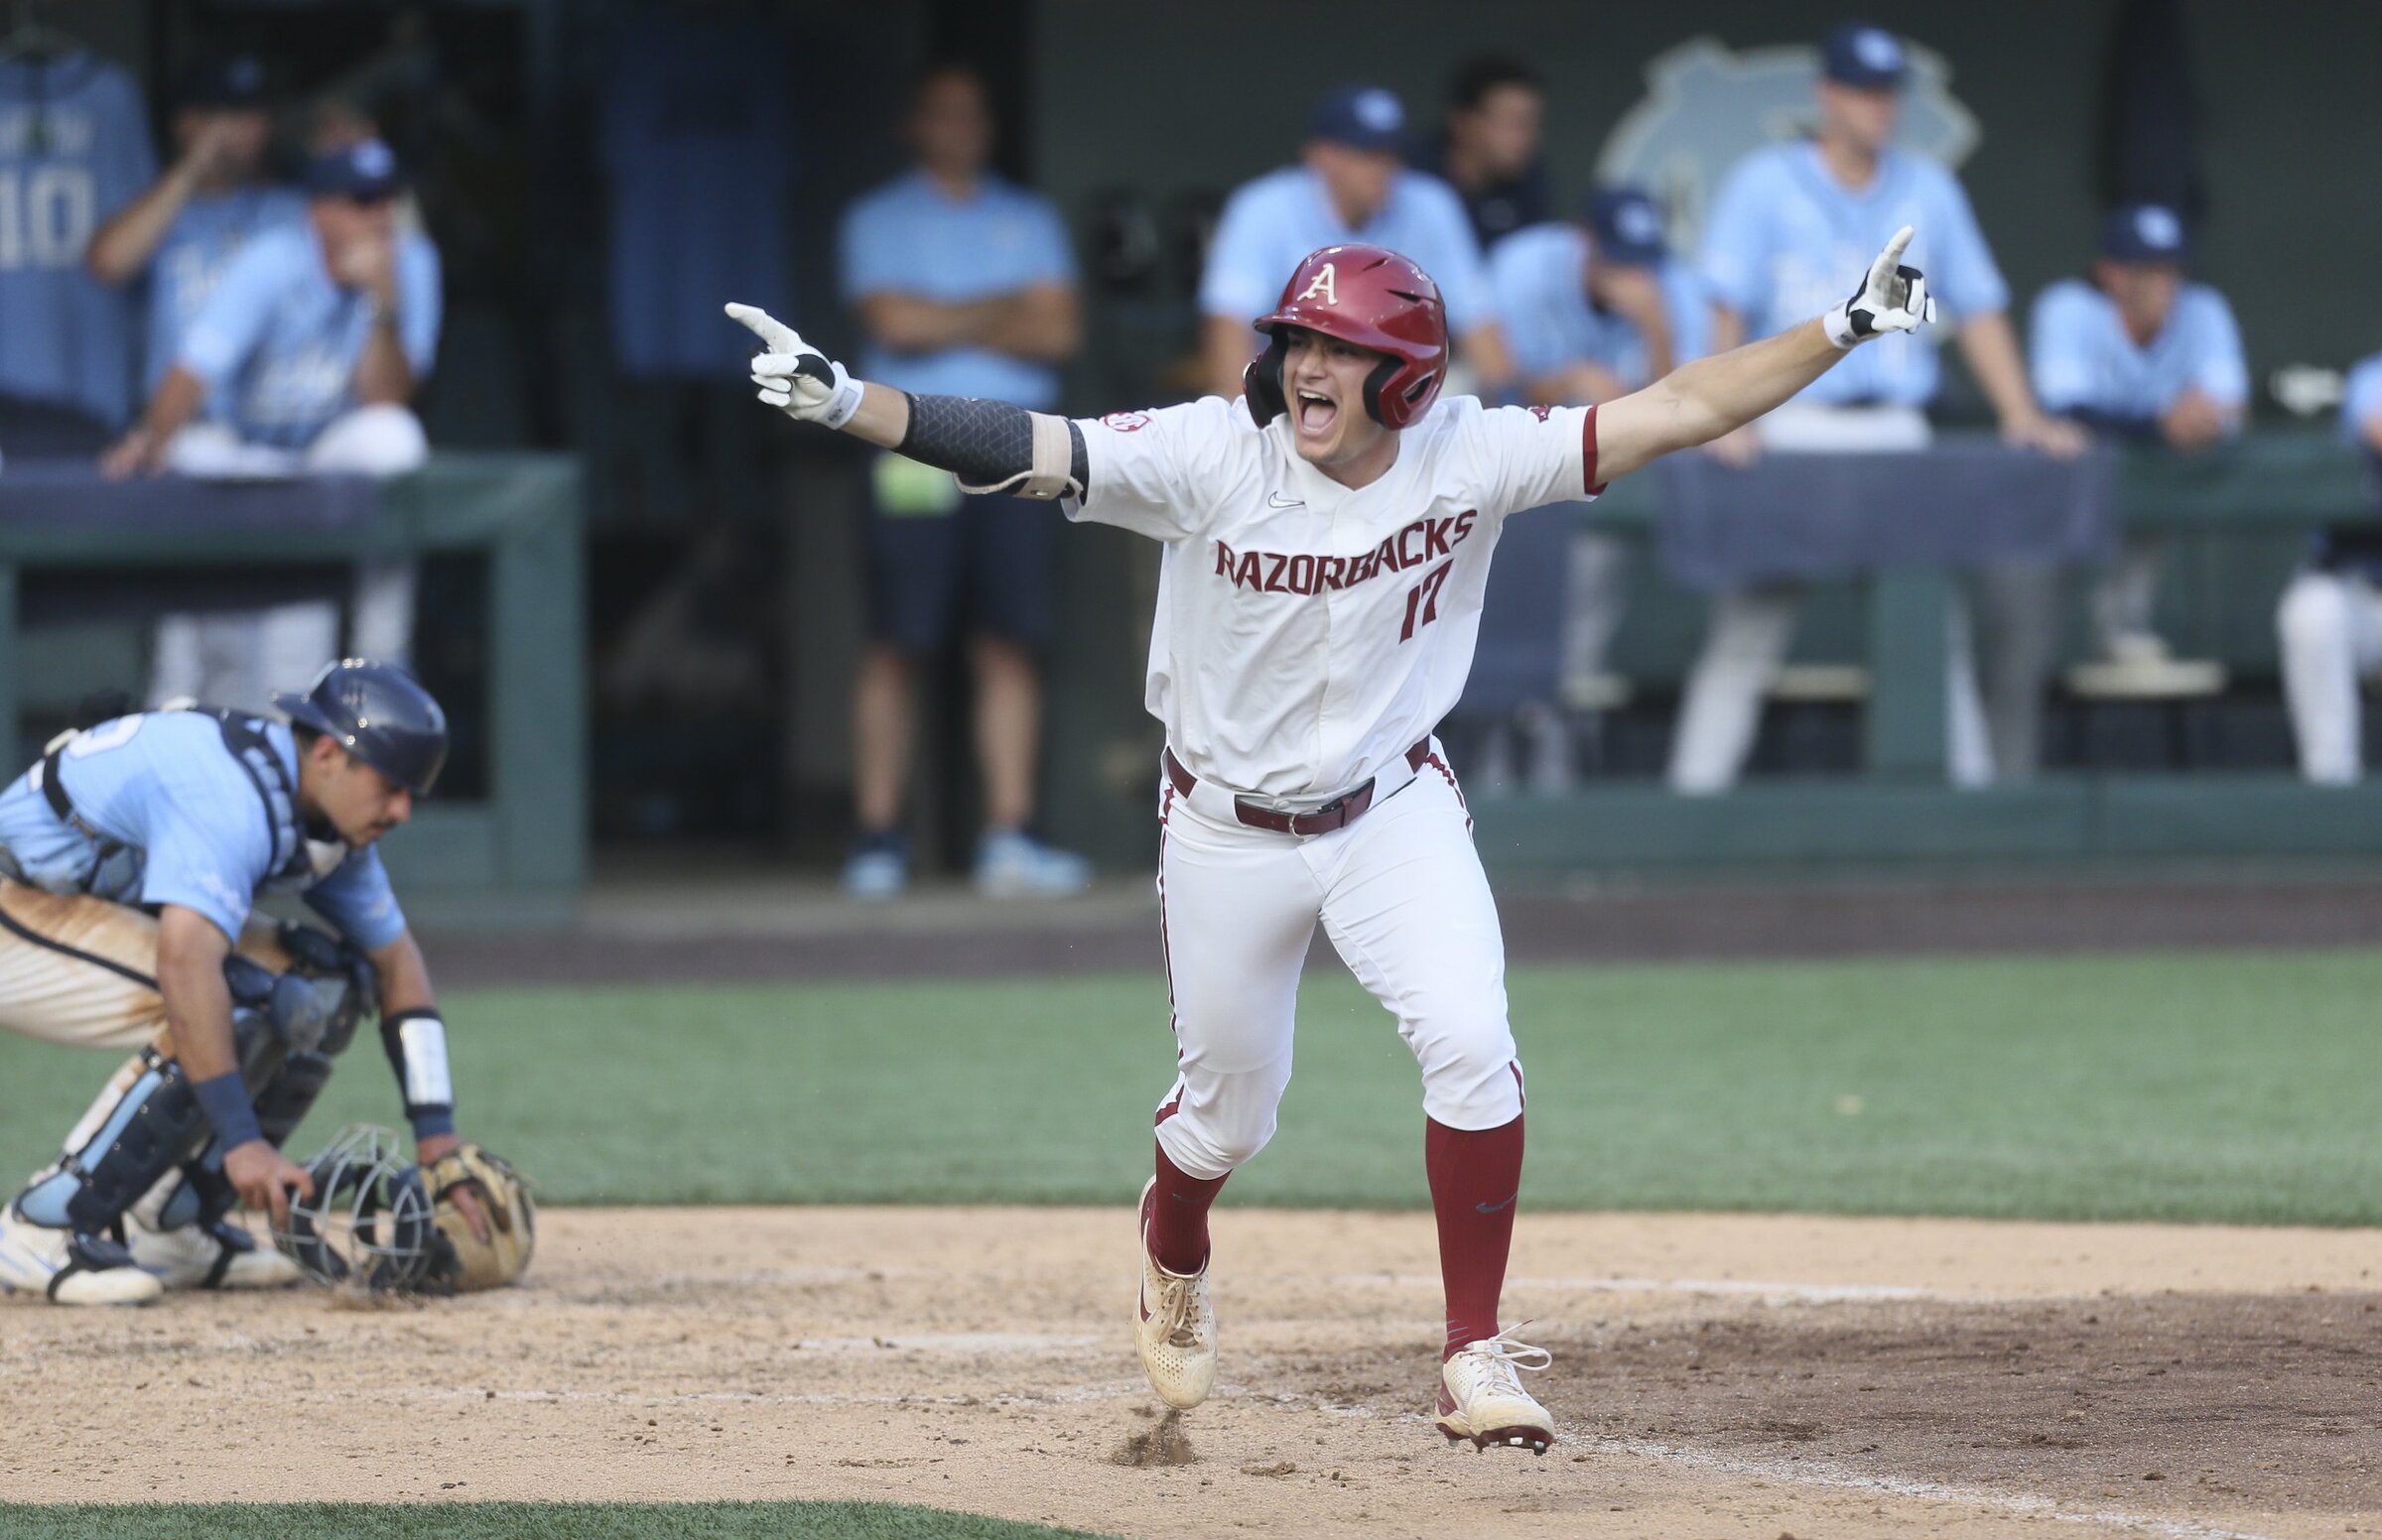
[983, 443]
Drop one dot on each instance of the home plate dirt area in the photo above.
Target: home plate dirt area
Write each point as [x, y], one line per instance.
[1714, 1376]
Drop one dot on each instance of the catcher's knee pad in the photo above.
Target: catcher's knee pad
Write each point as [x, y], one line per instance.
[154, 1126]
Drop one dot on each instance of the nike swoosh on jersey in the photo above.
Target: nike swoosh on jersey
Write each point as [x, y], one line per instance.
[1278, 500]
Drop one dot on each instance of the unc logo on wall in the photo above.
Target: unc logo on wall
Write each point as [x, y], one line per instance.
[1706, 106]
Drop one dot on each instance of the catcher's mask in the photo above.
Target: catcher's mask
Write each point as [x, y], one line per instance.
[372, 1223]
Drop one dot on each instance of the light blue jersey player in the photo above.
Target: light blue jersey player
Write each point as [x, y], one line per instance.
[1788, 219]
[913, 238]
[74, 148]
[180, 235]
[2140, 353]
[1597, 307]
[2330, 619]
[311, 344]
[190, 816]
[1351, 186]
[964, 285]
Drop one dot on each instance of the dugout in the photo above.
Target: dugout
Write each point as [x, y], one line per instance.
[720, 618]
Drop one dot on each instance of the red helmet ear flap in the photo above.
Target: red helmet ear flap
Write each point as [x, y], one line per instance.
[1261, 381]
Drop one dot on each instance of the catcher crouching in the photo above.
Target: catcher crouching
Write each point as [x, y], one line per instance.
[131, 857]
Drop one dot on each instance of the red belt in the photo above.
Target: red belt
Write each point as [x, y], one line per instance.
[1339, 812]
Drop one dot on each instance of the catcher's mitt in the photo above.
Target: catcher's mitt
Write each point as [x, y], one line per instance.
[503, 1199]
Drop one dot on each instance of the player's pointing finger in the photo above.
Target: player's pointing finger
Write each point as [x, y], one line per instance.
[1892, 257]
[780, 337]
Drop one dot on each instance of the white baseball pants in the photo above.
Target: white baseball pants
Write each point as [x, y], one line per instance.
[1401, 894]
[2331, 628]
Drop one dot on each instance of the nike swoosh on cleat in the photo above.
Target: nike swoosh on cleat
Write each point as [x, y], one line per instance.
[1498, 1207]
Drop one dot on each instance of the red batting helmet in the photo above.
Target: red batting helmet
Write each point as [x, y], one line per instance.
[1368, 297]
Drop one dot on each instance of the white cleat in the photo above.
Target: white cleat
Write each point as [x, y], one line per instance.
[68, 1270]
[1481, 1396]
[1174, 1324]
[196, 1256]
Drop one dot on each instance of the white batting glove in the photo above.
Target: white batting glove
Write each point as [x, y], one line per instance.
[1892, 298]
[795, 377]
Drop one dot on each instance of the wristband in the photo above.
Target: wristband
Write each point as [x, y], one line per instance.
[224, 1099]
[843, 398]
[1838, 325]
[416, 1042]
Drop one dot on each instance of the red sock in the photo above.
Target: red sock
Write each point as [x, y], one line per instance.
[1475, 1178]
[1176, 1221]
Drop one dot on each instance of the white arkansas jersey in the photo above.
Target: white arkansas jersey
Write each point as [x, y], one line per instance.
[1308, 634]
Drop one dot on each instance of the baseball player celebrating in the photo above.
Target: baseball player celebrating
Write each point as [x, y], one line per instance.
[196, 813]
[1326, 540]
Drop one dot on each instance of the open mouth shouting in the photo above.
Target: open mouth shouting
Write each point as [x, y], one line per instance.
[1317, 413]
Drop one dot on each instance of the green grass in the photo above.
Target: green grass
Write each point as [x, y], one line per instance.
[506, 1521]
[2209, 1086]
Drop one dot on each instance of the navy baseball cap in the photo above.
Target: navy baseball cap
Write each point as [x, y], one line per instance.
[221, 82]
[1363, 117]
[2144, 232]
[1626, 225]
[365, 170]
[1867, 58]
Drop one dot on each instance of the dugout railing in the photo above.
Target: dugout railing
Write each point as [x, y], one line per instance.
[519, 853]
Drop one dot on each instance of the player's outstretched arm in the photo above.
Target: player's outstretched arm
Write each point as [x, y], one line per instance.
[1700, 401]
[990, 446]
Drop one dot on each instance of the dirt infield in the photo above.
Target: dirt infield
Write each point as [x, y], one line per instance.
[1714, 1376]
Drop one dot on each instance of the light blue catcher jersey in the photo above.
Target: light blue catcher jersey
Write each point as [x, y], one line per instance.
[909, 237]
[1785, 241]
[2084, 360]
[197, 250]
[74, 149]
[184, 817]
[277, 342]
[1541, 278]
[1269, 224]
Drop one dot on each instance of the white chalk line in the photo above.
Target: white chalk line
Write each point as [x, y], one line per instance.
[1784, 1293]
[1820, 1473]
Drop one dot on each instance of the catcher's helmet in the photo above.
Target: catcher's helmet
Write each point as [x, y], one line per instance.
[1368, 297]
[381, 713]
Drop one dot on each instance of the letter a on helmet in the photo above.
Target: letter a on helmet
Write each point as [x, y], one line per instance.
[1368, 296]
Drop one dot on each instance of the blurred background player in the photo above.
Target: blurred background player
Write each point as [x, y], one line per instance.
[180, 235]
[175, 243]
[2330, 619]
[2140, 353]
[1351, 184]
[964, 286]
[1788, 219]
[1487, 149]
[305, 357]
[73, 132]
[1594, 307]
[189, 815]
